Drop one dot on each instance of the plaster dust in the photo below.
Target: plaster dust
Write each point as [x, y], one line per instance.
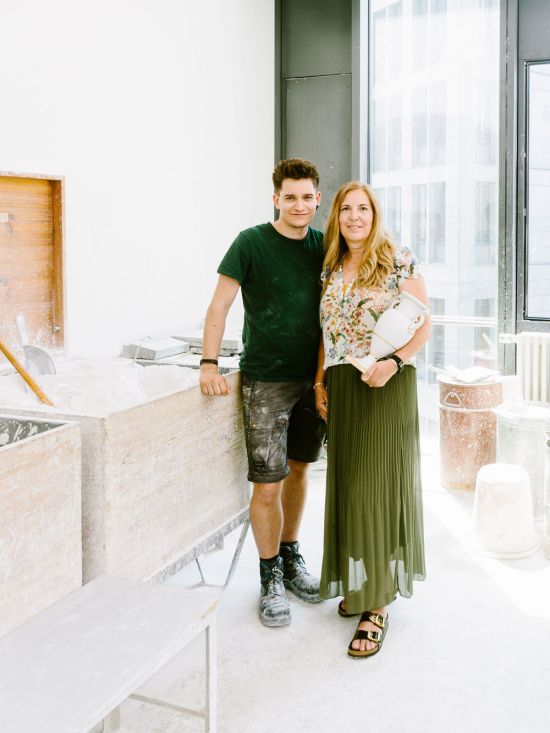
[98, 386]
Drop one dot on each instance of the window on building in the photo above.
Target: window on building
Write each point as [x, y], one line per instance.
[387, 44]
[436, 238]
[420, 7]
[434, 351]
[418, 220]
[486, 124]
[394, 133]
[380, 131]
[419, 132]
[437, 342]
[379, 45]
[437, 124]
[380, 194]
[485, 222]
[393, 212]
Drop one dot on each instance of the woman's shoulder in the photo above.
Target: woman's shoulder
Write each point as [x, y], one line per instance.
[330, 274]
[403, 255]
[406, 263]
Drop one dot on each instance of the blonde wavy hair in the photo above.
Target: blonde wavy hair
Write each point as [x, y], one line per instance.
[378, 258]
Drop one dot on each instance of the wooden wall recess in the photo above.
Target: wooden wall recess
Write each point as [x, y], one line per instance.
[31, 259]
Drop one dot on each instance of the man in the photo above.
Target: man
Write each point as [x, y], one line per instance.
[277, 266]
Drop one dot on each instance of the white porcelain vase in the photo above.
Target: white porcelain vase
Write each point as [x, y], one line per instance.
[395, 328]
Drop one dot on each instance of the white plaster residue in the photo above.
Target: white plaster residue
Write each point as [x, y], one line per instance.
[98, 387]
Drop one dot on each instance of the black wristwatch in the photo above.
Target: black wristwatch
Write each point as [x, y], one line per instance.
[398, 361]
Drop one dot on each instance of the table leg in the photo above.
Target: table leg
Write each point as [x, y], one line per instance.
[111, 723]
[237, 553]
[211, 679]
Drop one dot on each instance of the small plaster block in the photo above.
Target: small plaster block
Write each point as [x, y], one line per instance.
[231, 343]
[154, 350]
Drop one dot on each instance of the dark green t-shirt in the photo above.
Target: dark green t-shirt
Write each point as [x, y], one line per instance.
[280, 283]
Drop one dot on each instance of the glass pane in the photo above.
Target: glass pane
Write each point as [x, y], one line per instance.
[419, 134]
[393, 212]
[434, 158]
[538, 192]
[418, 219]
[436, 247]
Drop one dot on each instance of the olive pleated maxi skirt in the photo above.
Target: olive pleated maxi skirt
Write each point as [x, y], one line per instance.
[374, 540]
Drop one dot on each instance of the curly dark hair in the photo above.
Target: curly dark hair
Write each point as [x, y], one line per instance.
[296, 168]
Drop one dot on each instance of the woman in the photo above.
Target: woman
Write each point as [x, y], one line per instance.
[373, 546]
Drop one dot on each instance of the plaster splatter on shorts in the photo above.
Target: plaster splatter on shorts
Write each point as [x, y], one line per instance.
[268, 408]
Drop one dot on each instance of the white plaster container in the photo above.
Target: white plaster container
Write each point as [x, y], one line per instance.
[159, 479]
[503, 524]
[521, 440]
[40, 516]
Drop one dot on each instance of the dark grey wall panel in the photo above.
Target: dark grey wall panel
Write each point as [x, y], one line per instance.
[316, 37]
[534, 29]
[318, 127]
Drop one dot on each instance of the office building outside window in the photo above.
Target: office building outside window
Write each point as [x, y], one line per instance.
[433, 150]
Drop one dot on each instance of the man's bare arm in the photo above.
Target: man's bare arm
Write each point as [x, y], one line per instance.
[211, 381]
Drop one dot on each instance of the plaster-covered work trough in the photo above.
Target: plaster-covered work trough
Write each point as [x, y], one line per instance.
[40, 527]
[159, 479]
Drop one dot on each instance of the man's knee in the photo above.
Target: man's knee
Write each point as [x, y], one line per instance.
[297, 468]
[267, 494]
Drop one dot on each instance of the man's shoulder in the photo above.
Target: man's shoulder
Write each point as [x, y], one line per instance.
[317, 235]
[316, 240]
[257, 232]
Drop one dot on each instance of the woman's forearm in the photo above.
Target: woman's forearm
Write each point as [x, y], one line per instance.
[320, 373]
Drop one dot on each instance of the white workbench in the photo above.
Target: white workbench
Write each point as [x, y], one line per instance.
[71, 666]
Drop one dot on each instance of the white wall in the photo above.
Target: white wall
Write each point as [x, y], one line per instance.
[160, 117]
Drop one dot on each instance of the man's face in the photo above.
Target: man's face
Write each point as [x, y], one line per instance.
[297, 201]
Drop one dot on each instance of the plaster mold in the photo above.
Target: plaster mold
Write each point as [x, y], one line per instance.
[157, 478]
[40, 515]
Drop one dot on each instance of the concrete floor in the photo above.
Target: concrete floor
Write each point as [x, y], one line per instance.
[470, 653]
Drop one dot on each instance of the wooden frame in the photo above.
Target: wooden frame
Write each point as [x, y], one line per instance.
[58, 212]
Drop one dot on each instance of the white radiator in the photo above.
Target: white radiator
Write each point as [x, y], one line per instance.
[532, 363]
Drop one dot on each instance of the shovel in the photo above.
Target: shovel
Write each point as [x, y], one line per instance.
[37, 361]
[26, 376]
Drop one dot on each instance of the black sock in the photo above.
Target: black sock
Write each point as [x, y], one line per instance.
[270, 560]
[288, 544]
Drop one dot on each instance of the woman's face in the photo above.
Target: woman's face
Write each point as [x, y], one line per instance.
[355, 218]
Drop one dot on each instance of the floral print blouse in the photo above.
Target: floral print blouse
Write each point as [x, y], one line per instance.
[349, 313]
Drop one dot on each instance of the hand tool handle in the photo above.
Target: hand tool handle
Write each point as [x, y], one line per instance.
[26, 376]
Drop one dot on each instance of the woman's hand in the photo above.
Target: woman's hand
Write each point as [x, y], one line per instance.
[380, 373]
[321, 400]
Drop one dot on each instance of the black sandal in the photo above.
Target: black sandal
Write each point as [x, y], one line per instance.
[376, 636]
[342, 611]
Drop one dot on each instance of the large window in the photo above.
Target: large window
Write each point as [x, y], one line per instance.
[538, 192]
[433, 149]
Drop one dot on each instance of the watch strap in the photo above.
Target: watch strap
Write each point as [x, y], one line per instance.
[396, 359]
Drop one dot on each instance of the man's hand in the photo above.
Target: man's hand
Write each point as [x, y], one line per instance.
[380, 373]
[211, 381]
[321, 401]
